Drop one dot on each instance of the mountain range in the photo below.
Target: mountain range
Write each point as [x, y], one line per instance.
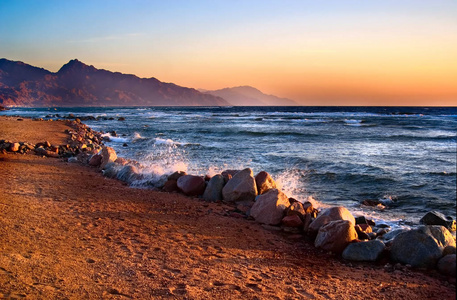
[249, 96]
[77, 84]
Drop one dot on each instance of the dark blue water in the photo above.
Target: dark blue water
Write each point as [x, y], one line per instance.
[337, 155]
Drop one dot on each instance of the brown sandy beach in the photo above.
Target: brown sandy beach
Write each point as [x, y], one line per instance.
[67, 232]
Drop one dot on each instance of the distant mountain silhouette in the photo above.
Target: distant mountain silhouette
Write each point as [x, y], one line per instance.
[77, 84]
[249, 96]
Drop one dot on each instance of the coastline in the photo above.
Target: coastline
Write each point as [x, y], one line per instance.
[67, 231]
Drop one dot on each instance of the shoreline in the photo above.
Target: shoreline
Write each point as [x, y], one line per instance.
[107, 218]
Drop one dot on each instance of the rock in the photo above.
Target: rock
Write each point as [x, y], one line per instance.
[364, 251]
[292, 221]
[171, 186]
[363, 220]
[95, 160]
[331, 214]
[191, 185]
[448, 250]
[437, 218]
[264, 182]
[111, 169]
[108, 155]
[213, 191]
[241, 187]
[446, 265]
[228, 174]
[121, 119]
[389, 236]
[269, 207]
[121, 161]
[42, 151]
[296, 208]
[335, 236]
[14, 147]
[421, 247]
[308, 207]
[128, 174]
[176, 175]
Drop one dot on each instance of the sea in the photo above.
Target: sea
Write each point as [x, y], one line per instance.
[401, 157]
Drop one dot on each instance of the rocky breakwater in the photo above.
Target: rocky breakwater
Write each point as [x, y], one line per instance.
[334, 230]
[82, 142]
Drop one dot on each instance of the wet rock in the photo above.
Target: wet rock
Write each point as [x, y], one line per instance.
[447, 265]
[437, 218]
[176, 175]
[191, 185]
[335, 236]
[241, 187]
[228, 174]
[111, 169]
[364, 251]
[121, 161]
[213, 191]
[108, 155]
[329, 215]
[264, 182]
[121, 119]
[128, 174]
[269, 207]
[421, 247]
[389, 236]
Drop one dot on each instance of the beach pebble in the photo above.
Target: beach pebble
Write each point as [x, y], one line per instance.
[14, 147]
[269, 207]
[335, 236]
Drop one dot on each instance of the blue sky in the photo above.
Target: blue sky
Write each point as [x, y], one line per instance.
[311, 51]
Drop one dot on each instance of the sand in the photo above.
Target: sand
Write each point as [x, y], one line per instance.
[66, 232]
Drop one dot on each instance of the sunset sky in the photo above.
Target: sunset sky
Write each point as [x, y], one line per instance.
[315, 52]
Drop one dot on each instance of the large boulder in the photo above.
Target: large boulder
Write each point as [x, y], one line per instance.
[335, 236]
[437, 218]
[108, 155]
[264, 182]
[191, 185]
[329, 215]
[269, 207]
[364, 251]
[213, 191]
[241, 187]
[421, 247]
[446, 265]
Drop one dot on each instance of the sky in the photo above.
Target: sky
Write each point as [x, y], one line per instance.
[332, 52]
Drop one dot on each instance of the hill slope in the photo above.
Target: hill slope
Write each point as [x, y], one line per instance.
[77, 84]
[249, 96]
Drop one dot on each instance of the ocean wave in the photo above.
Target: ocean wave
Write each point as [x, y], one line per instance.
[115, 139]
